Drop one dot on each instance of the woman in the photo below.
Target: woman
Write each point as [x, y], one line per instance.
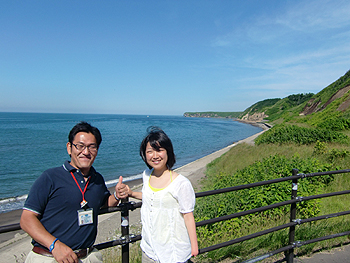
[168, 200]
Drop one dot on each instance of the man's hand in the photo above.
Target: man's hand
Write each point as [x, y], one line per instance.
[62, 253]
[122, 190]
[31, 224]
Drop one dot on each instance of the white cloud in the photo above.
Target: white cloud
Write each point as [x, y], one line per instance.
[221, 42]
[316, 15]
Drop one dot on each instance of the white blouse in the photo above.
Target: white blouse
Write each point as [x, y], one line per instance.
[164, 233]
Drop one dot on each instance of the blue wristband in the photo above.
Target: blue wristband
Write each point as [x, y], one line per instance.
[53, 245]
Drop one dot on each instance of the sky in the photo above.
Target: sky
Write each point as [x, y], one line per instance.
[167, 57]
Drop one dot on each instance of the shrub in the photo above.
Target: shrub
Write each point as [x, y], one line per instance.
[335, 124]
[320, 148]
[293, 134]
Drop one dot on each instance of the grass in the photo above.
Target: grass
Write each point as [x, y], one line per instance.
[244, 155]
[114, 254]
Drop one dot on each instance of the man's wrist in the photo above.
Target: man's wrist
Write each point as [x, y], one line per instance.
[116, 197]
[52, 246]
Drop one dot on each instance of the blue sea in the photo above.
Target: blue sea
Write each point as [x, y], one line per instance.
[33, 142]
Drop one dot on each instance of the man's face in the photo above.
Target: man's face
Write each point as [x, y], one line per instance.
[83, 159]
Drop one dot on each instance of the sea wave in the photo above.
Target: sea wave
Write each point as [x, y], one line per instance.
[12, 203]
[112, 183]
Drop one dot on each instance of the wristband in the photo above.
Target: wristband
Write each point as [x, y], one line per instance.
[115, 196]
[53, 245]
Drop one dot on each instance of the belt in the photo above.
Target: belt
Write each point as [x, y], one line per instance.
[81, 253]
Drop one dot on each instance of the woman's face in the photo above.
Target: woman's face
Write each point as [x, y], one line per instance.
[156, 158]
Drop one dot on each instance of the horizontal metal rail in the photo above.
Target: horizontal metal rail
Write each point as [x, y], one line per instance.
[245, 238]
[121, 241]
[246, 186]
[131, 206]
[9, 228]
[243, 213]
[268, 207]
[294, 245]
[273, 181]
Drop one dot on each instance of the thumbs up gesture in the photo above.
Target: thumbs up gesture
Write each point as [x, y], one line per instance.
[122, 190]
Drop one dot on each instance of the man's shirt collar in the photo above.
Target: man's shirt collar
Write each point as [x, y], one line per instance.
[68, 167]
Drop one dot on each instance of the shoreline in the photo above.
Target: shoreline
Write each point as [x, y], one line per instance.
[13, 217]
[260, 124]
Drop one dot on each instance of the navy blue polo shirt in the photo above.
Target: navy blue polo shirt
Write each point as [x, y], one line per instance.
[56, 197]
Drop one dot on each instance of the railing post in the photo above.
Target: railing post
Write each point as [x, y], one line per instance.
[125, 230]
[293, 212]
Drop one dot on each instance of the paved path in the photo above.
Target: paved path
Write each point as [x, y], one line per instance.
[335, 255]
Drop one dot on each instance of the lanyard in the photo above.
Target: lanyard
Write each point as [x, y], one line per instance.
[84, 202]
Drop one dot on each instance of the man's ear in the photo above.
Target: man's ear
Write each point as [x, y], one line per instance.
[69, 148]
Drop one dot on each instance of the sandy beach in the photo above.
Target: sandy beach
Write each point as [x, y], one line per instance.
[14, 246]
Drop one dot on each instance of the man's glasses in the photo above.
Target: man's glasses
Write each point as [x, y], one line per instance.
[81, 147]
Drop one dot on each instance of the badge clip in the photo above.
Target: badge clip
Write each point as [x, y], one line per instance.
[83, 203]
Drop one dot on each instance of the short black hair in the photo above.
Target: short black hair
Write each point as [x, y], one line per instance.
[83, 126]
[157, 138]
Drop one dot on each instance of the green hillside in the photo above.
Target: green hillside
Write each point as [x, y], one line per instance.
[309, 133]
[275, 109]
[327, 109]
[212, 114]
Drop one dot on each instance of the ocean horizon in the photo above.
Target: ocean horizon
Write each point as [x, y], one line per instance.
[33, 142]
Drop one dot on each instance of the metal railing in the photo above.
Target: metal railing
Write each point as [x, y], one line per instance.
[126, 206]
[289, 250]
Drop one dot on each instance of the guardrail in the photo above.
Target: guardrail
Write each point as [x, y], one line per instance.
[126, 206]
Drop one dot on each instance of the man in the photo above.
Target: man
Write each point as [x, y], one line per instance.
[61, 210]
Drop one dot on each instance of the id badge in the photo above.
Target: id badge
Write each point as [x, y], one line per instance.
[85, 217]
